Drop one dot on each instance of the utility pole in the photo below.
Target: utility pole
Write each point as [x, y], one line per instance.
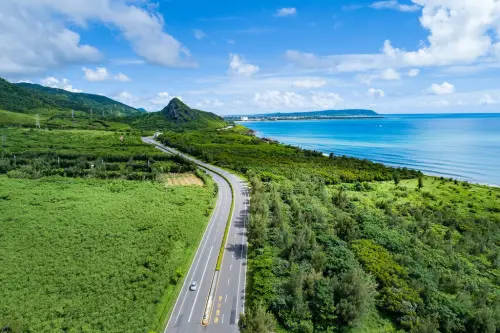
[103, 113]
[91, 112]
[72, 114]
[4, 141]
[37, 124]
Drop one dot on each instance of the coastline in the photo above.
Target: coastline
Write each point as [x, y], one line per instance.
[427, 173]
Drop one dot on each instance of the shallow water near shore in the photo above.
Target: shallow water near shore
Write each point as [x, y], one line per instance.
[462, 146]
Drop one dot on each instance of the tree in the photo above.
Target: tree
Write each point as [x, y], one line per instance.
[420, 181]
[396, 177]
[354, 292]
[256, 320]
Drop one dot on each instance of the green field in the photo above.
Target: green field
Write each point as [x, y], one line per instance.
[74, 142]
[93, 255]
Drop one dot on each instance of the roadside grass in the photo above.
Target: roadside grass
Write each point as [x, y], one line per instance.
[94, 255]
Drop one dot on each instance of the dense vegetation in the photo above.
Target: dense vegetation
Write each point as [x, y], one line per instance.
[33, 98]
[89, 255]
[241, 152]
[37, 153]
[339, 244]
[177, 116]
[56, 119]
[82, 252]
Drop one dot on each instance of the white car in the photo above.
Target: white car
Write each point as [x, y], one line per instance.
[193, 285]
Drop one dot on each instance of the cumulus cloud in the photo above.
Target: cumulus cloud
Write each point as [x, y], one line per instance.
[459, 32]
[65, 84]
[308, 83]
[125, 97]
[413, 72]
[102, 74]
[199, 34]
[486, 99]
[390, 74]
[325, 100]
[274, 99]
[162, 98]
[285, 12]
[35, 34]
[376, 93]
[441, 89]
[395, 5]
[238, 66]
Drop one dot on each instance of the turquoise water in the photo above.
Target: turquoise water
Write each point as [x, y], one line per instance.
[462, 146]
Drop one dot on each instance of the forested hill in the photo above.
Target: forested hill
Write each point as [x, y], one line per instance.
[26, 98]
[177, 115]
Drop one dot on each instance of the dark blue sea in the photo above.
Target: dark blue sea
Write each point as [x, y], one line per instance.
[462, 146]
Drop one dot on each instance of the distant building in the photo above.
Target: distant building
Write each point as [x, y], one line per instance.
[244, 118]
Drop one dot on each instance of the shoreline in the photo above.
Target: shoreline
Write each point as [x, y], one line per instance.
[426, 173]
[436, 175]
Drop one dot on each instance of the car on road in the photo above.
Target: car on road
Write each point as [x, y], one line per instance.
[193, 285]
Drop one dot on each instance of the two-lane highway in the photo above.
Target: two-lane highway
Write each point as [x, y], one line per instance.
[229, 299]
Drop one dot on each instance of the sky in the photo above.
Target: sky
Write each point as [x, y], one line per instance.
[245, 57]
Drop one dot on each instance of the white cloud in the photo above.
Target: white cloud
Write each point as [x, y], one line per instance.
[64, 84]
[413, 72]
[102, 74]
[99, 74]
[162, 98]
[231, 41]
[486, 99]
[441, 89]
[199, 34]
[376, 93]
[209, 103]
[238, 66]
[308, 83]
[35, 36]
[124, 97]
[277, 99]
[459, 32]
[122, 77]
[285, 12]
[274, 99]
[390, 74]
[393, 4]
[325, 100]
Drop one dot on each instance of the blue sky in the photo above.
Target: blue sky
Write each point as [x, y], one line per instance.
[418, 56]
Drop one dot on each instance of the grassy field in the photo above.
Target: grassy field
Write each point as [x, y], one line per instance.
[74, 142]
[93, 255]
[55, 119]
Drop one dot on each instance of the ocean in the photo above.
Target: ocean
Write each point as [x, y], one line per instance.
[461, 146]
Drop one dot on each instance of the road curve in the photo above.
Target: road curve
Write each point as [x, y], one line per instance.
[229, 299]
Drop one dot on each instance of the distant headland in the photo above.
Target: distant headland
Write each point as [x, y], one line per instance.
[309, 115]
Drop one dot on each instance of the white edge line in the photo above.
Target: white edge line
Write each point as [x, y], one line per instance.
[202, 276]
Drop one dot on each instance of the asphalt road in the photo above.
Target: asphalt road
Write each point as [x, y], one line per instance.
[229, 299]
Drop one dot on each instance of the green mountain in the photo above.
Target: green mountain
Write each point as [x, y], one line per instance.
[177, 115]
[34, 98]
